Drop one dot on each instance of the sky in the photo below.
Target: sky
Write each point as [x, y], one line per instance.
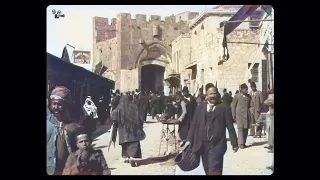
[76, 28]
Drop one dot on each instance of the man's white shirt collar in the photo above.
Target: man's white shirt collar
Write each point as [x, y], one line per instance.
[210, 105]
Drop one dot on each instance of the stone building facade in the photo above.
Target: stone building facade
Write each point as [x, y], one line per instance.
[127, 45]
[200, 50]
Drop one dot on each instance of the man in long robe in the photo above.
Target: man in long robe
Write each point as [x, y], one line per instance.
[241, 113]
[60, 128]
[256, 103]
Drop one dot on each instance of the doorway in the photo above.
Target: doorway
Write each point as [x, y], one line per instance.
[152, 77]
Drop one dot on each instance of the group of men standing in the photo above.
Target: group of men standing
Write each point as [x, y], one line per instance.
[203, 123]
[211, 118]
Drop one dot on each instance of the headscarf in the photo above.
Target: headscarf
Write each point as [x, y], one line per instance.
[61, 92]
[126, 113]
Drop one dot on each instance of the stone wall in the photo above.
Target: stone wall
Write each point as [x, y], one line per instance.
[181, 54]
[126, 44]
[133, 31]
[206, 50]
[129, 80]
[234, 71]
[102, 31]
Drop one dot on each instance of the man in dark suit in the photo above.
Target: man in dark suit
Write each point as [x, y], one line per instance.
[143, 105]
[207, 134]
[192, 100]
[226, 98]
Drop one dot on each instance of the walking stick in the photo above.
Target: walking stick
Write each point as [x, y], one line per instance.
[113, 136]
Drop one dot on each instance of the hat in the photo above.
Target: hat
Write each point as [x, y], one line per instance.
[253, 84]
[208, 86]
[185, 89]
[243, 86]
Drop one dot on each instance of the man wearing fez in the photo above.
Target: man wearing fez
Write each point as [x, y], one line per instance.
[226, 98]
[207, 134]
[241, 113]
[191, 100]
[59, 130]
[256, 103]
[115, 100]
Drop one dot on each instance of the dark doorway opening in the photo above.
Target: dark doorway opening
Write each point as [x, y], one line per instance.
[152, 77]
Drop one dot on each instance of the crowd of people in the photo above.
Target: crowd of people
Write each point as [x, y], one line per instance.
[203, 123]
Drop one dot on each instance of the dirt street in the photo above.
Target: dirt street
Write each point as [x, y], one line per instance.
[249, 161]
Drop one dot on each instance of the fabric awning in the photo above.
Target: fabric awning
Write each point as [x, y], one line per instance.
[59, 66]
[189, 66]
[241, 15]
[173, 79]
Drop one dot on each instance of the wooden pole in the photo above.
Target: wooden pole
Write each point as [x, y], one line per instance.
[248, 21]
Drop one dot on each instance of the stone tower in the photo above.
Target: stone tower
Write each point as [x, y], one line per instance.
[127, 45]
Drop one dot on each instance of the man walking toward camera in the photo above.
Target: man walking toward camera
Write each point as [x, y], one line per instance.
[207, 134]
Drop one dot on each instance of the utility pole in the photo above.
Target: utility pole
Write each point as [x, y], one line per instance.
[270, 57]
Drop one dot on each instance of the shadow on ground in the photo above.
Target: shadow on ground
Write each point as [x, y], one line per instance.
[257, 144]
[153, 160]
[149, 122]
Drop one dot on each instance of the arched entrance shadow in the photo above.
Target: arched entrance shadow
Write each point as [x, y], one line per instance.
[162, 46]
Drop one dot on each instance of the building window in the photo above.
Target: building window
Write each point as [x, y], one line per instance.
[194, 73]
[202, 76]
[202, 27]
[195, 32]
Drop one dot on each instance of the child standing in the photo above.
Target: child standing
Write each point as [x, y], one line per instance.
[86, 160]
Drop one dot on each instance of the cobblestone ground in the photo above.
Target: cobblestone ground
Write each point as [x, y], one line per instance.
[249, 161]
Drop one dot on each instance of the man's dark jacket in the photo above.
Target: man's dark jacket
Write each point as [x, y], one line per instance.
[217, 128]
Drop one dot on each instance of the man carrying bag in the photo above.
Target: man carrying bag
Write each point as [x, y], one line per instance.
[207, 134]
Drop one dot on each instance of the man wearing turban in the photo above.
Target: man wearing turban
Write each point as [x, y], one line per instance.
[59, 130]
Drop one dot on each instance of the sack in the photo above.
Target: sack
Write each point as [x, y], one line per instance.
[197, 171]
[143, 135]
[187, 160]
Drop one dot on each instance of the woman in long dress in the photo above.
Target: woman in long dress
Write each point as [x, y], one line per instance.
[126, 119]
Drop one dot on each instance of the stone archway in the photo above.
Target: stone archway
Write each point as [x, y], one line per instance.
[156, 57]
[152, 72]
[166, 51]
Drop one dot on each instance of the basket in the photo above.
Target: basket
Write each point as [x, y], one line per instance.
[187, 160]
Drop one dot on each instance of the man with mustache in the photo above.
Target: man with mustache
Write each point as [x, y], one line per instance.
[59, 130]
[207, 134]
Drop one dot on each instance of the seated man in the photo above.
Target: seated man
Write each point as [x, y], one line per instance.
[86, 160]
